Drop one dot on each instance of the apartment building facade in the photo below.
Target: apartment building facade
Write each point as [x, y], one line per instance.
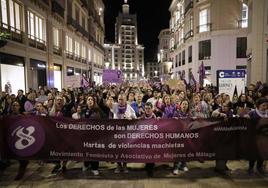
[152, 70]
[210, 31]
[51, 40]
[126, 54]
[163, 56]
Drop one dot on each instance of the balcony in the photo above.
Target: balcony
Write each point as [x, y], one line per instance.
[84, 60]
[15, 34]
[242, 23]
[57, 8]
[36, 42]
[204, 28]
[76, 25]
[69, 55]
[77, 58]
[96, 43]
[188, 35]
[57, 50]
[188, 7]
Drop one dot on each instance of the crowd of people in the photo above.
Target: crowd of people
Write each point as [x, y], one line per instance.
[132, 101]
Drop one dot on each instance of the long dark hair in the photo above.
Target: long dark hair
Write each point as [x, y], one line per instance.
[95, 109]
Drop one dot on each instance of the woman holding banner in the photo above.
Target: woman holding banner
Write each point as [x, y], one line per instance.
[16, 111]
[92, 111]
[57, 111]
[224, 112]
[182, 112]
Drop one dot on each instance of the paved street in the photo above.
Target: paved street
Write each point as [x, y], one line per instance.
[199, 175]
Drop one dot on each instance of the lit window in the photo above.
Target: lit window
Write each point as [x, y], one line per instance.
[56, 37]
[244, 16]
[203, 20]
[89, 55]
[36, 27]
[11, 17]
[76, 48]
[83, 52]
[4, 12]
[69, 44]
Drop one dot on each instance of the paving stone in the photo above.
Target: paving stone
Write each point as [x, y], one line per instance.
[200, 175]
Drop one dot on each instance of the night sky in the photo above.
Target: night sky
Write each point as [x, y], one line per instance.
[152, 15]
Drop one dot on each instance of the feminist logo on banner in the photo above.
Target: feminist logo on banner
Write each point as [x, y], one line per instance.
[26, 137]
[112, 76]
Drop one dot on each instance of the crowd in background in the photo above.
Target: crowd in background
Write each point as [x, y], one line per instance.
[131, 101]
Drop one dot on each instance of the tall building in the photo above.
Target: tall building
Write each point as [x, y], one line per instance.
[163, 56]
[210, 31]
[257, 41]
[152, 70]
[51, 40]
[129, 57]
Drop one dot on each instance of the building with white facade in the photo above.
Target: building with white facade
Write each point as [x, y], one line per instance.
[210, 31]
[51, 40]
[126, 54]
[152, 70]
[257, 41]
[163, 56]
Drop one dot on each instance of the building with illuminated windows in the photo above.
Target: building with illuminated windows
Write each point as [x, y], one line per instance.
[126, 54]
[210, 31]
[51, 40]
[163, 56]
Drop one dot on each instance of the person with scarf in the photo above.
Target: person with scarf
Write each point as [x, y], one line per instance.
[131, 101]
[181, 113]
[168, 107]
[121, 110]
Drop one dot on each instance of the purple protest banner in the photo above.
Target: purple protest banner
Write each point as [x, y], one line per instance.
[165, 140]
[112, 76]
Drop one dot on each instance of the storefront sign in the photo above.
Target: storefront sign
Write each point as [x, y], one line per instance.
[165, 140]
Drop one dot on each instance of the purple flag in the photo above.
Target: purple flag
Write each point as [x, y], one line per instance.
[192, 81]
[202, 74]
